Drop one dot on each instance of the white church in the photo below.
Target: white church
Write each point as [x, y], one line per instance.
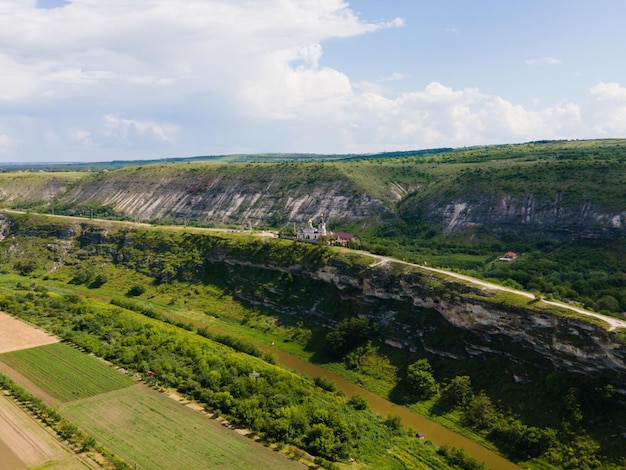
[314, 234]
[311, 233]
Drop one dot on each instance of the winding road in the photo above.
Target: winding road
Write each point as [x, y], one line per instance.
[613, 322]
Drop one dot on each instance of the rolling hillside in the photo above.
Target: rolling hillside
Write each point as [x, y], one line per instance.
[560, 205]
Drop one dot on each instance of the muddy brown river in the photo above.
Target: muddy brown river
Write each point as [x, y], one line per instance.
[434, 432]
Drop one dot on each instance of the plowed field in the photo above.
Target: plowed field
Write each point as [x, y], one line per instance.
[16, 335]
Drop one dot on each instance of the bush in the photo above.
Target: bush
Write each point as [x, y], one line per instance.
[459, 391]
[420, 377]
[135, 290]
[348, 334]
[325, 383]
[357, 402]
[458, 458]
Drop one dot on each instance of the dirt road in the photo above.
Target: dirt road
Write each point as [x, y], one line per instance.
[613, 323]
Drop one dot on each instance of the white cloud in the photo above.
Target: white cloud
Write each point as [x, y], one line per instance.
[612, 91]
[394, 77]
[84, 138]
[280, 90]
[543, 61]
[438, 116]
[187, 76]
[131, 129]
[152, 58]
[6, 144]
[608, 110]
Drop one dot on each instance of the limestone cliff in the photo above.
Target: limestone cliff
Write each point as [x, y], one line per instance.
[545, 218]
[563, 193]
[417, 309]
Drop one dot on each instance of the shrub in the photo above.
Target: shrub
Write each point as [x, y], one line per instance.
[135, 290]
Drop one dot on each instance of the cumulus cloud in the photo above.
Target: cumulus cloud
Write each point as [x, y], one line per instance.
[439, 115]
[156, 77]
[84, 59]
[608, 111]
[131, 130]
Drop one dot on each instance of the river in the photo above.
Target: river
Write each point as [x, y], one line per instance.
[434, 432]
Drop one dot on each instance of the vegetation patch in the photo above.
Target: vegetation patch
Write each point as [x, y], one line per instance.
[65, 372]
[152, 431]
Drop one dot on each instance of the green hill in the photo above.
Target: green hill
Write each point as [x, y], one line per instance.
[560, 205]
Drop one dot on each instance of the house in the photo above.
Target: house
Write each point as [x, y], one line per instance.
[343, 238]
[508, 256]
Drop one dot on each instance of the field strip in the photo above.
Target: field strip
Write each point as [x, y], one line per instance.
[65, 372]
[16, 334]
[148, 428]
[26, 383]
[26, 437]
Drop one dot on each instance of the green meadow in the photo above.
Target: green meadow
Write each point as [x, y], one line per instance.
[65, 372]
[148, 429]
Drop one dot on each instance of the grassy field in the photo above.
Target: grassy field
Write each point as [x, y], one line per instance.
[66, 373]
[149, 429]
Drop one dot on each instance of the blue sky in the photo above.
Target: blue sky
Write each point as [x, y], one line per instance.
[87, 80]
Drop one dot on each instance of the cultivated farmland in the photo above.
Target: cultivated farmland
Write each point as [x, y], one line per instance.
[147, 428]
[26, 443]
[140, 425]
[66, 373]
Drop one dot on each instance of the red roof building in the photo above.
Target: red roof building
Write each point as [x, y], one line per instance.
[508, 256]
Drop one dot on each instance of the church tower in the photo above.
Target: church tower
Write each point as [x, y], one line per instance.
[322, 226]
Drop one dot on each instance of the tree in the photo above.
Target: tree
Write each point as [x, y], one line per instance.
[420, 377]
[348, 334]
[459, 391]
[135, 290]
[357, 402]
[480, 412]
[99, 281]
[321, 440]
[459, 458]
[608, 303]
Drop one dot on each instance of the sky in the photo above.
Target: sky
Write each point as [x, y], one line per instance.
[93, 80]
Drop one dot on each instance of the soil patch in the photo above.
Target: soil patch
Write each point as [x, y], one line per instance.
[24, 436]
[16, 334]
[8, 459]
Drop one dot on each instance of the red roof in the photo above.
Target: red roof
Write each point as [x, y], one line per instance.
[344, 235]
[509, 254]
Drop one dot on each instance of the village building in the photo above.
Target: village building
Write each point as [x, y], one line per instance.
[313, 234]
[344, 238]
[508, 256]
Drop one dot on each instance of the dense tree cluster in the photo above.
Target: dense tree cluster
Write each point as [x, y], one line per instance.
[272, 402]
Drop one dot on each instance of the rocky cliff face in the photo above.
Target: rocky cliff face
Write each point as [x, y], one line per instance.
[279, 194]
[528, 215]
[417, 309]
[229, 197]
